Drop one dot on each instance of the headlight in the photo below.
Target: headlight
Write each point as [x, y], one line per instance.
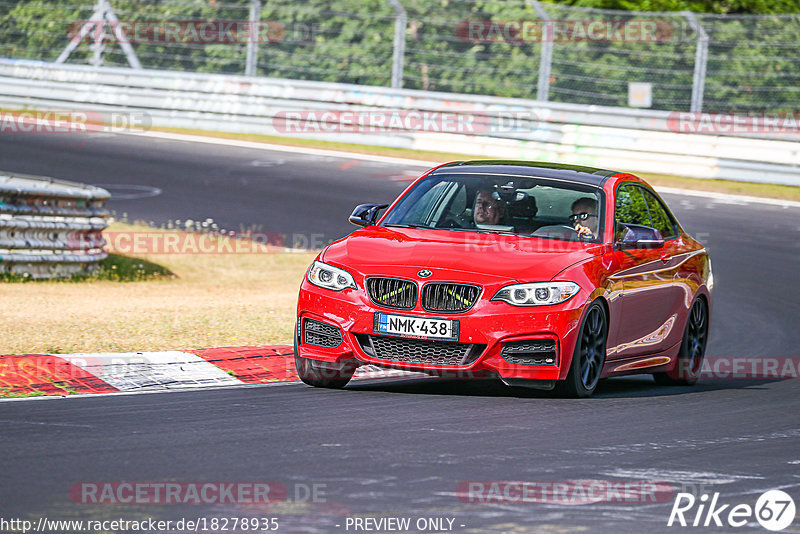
[330, 277]
[537, 294]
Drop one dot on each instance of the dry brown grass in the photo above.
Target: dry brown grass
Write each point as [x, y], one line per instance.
[215, 300]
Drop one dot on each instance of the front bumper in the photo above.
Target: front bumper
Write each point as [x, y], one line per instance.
[489, 326]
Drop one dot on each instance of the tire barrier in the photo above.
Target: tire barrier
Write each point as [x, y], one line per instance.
[50, 228]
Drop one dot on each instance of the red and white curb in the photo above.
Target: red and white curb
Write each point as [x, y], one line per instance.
[67, 374]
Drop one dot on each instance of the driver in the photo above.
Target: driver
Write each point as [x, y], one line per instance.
[584, 217]
[488, 210]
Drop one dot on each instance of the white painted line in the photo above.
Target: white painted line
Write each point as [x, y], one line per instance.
[146, 392]
[371, 371]
[685, 477]
[725, 197]
[283, 148]
[728, 198]
[132, 371]
[363, 373]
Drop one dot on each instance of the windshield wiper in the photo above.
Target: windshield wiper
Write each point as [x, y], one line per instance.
[408, 226]
[503, 232]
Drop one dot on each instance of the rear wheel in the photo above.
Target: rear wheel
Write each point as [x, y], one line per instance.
[589, 356]
[318, 376]
[693, 349]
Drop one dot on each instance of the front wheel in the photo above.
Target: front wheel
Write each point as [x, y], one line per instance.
[693, 349]
[321, 377]
[589, 356]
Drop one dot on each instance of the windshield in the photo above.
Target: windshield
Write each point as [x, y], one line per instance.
[529, 206]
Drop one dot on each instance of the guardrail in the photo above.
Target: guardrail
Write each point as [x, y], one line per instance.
[620, 138]
[50, 228]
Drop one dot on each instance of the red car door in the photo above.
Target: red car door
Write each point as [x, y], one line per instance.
[651, 318]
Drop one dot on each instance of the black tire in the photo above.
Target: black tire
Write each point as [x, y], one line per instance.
[590, 354]
[693, 348]
[321, 377]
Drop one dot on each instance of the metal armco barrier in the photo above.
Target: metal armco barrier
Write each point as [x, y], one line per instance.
[50, 228]
[619, 138]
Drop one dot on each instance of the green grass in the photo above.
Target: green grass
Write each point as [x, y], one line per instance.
[753, 189]
[6, 393]
[120, 268]
[115, 267]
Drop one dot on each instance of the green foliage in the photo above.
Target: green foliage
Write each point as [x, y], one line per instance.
[631, 206]
[721, 7]
[7, 393]
[121, 268]
[115, 267]
[751, 62]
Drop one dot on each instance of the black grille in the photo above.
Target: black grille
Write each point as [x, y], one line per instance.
[321, 334]
[420, 351]
[446, 297]
[392, 292]
[532, 352]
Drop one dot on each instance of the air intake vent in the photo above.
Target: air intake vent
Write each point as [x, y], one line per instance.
[446, 297]
[420, 351]
[392, 292]
[321, 334]
[531, 352]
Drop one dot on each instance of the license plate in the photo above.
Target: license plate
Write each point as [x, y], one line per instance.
[388, 324]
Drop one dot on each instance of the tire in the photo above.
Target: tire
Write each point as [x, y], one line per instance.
[590, 354]
[693, 348]
[320, 377]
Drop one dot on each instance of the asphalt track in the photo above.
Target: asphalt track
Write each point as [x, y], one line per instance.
[401, 448]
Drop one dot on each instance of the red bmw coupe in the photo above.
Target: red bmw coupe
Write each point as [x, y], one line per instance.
[542, 275]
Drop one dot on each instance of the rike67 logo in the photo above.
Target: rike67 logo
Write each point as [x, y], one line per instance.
[774, 510]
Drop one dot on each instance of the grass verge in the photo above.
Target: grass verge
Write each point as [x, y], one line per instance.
[782, 192]
[171, 302]
[115, 267]
[6, 393]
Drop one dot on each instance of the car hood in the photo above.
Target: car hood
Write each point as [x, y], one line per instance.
[383, 251]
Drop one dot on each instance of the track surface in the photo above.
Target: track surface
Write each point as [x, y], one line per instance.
[401, 448]
[307, 196]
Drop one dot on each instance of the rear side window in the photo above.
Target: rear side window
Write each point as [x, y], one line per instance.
[631, 207]
[661, 219]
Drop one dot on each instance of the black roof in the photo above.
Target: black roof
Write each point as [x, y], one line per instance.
[573, 173]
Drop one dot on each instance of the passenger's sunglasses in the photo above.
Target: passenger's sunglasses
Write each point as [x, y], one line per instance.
[581, 216]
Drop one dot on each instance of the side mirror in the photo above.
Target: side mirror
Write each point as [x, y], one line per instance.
[366, 214]
[638, 236]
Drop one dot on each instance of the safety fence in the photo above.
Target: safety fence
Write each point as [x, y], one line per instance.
[510, 48]
[50, 228]
[619, 138]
